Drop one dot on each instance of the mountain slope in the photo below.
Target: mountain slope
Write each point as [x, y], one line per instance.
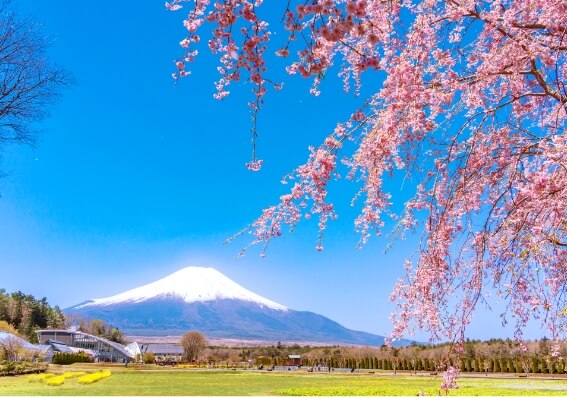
[205, 300]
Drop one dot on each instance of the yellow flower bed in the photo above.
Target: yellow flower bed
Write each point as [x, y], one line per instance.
[73, 374]
[55, 380]
[94, 377]
[58, 380]
[39, 377]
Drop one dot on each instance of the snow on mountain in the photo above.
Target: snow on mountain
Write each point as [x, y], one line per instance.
[198, 298]
[191, 284]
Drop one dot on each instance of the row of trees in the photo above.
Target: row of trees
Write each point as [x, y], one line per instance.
[492, 365]
[26, 314]
[489, 356]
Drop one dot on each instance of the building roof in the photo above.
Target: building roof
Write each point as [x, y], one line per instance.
[45, 349]
[121, 348]
[6, 337]
[161, 348]
[294, 356]
[63, 348]
[134, 349]
[62, 331]
[59, 346]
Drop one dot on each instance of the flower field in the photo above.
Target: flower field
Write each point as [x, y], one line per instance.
[144, 380]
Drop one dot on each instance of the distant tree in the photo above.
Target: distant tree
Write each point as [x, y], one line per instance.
[245, 354]
[114, 334]
[497, 365]
[28, 82]
[544, 347]
[100, 328]
[478, 365]
[511, 364]
[149, 358]
[193, 343]
[503, 364]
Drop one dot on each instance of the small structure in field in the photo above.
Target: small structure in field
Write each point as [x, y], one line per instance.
[164, 352]
[293, 359]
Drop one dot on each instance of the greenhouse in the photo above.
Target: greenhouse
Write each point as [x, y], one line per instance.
[99, 348]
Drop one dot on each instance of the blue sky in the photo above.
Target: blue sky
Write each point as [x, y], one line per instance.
[135, 177]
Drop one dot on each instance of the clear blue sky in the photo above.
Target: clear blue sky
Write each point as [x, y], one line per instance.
[135, 177]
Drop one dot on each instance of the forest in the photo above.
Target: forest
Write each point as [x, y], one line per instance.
[26, 314]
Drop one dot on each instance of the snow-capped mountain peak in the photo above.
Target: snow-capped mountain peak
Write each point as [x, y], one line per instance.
[191, 284]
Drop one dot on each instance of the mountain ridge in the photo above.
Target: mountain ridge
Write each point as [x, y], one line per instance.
[204, 299]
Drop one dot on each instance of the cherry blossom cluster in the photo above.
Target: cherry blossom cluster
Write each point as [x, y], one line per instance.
[311, 187]
[450, 377]
[239, 38]
[472, 109]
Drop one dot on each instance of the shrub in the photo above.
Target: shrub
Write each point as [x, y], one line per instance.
[149, 358]
[11, 368]
[70, 358]
[7, 367]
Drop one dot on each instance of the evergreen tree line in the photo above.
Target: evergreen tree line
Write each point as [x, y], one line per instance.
[26, 314]
[491, 356]
[492, 365]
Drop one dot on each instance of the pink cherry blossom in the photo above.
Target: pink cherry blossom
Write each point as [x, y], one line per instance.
[473, 110]
[255, 165]
[450, 379]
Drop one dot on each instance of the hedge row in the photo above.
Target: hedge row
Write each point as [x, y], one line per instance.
[532, 365]
[70, 358]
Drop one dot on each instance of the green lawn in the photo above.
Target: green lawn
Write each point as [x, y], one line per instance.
[135, 381]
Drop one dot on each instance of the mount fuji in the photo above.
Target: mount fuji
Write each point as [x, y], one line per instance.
[203, 299]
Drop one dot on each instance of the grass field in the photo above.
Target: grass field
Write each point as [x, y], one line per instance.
[177, 382]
